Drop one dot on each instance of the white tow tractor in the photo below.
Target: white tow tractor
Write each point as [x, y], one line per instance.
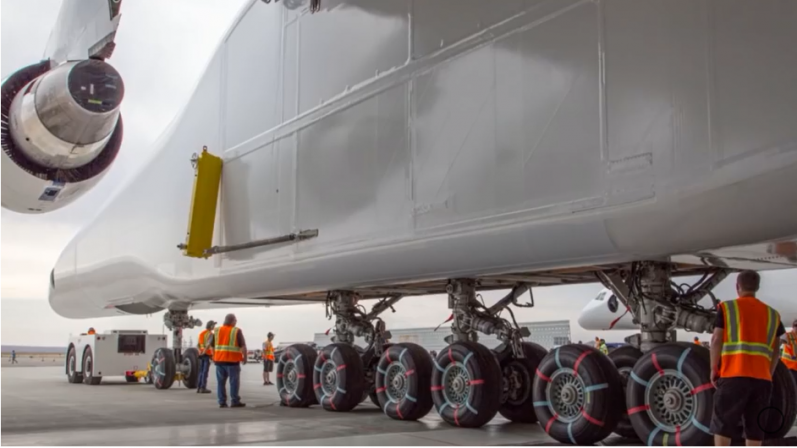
[118, 353]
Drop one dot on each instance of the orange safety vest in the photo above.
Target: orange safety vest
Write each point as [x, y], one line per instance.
[226, 341]
[697, 342]
[268, 353]
[204, 343]
[748, 338]
[789, 357]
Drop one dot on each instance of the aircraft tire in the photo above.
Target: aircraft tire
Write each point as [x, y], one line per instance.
[294, 377]
[88, 363]
[779, 421]
[575, 395]
[466, 367]
[338, 378]
[72, 375]
[163, 368]
[683, 371]
[191, 368]
[403, 382]
[520, 407]
[624, 359]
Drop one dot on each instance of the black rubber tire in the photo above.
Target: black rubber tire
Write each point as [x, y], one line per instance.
[349, 378]
[625, 358]
[191, 361]
[599, 380]
[163, 368]
[417, 365]
[72, 375]
[779, 421]
[299, 359]
[484, 382]
[131, 379]
[693, 363]
[88, 373]
[521, 409]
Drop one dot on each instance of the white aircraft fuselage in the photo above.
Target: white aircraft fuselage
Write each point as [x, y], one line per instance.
[442, 139]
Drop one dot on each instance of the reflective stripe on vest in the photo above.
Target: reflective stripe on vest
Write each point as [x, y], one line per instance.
[789, 356]
[226, 349]
[204, 343]
[268, 352]
[747, 351]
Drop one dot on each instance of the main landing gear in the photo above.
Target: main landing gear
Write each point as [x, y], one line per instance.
[170, 365]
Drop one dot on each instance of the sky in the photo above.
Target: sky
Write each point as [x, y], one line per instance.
[162, 48]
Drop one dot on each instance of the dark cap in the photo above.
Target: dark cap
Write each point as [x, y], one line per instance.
[210, 324]
[270, 334]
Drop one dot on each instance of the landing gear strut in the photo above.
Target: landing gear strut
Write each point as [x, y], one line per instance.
[173, 364]
[471, 383]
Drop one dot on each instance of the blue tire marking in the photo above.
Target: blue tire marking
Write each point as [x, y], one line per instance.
[681, 361]
[445, 405]
[540, 404]
[558, 363]
[596, 387]
[437, 366]
[570, 433]
[700, 426]
[332, 355]
[653, 435]
[383, 372]
[341, 391]
[465, 362]
[318, 369]
[470, 408]
[411, 398]
[638, 379]
[402, 354]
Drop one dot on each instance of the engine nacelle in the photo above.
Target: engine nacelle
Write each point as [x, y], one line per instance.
[62, 131]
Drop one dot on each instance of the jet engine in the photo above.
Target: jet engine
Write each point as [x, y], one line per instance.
[61, 131]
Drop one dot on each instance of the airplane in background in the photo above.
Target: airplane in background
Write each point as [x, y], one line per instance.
[778, 290]
[336, 151]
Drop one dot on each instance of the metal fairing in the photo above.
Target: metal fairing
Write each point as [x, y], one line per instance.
[428, 140]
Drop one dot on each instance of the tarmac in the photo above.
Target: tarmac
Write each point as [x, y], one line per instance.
[39, 407]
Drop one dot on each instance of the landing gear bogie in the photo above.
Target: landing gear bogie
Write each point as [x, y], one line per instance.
[295, 376]
[403, 382]
[517, 402]
[575, 395]
[466, 384]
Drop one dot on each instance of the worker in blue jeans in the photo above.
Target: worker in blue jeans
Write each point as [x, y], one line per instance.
[205, 347]
[229, 351]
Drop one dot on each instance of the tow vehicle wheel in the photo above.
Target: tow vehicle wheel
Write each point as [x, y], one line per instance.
[518, 381]
[163, 368]
[778, 420]
[72, 375]
[575, 395]
[338, 378]
[625, 358]
[88, 369]
[294, 380]
[190, 368]
[670, 397]
[466, 384]
[403, 382]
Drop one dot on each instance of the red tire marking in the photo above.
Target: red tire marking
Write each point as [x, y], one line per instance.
[644, 407]
[332, 403]
[699, 389]
[450, 356]
[381, 389]
[475, 382]
[300, 376]
[591, 419]
[550, 422]
[409, 372]
[542, 376]
[678, 436]
[456, 416]
[387, 356]
[578, 361]
[316, 386]
[398, 411]
[341, 367]
[656, 363]
[279, 375]
[434, 388]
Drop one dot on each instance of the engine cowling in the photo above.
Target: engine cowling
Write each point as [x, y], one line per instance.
[61, 131]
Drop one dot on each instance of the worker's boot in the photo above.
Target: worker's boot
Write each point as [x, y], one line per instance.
[204, 391]
[238, 405]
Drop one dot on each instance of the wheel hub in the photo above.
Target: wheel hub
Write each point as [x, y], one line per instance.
[670, 401]
[456, 384]
[290, 377]
[329, 378]
[565, 394]
[396, 382]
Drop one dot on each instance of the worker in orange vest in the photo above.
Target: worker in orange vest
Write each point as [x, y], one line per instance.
[205, 347]
[697, 340]
[229, 351]
[268, 359]
[789, 357]
[91, 330]
[744, 353]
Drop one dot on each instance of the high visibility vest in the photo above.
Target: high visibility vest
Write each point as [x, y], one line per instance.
[227, 349]
[204, 343]
[268, 351]
[697, 342]
[748, 339]
[604, 349]
[789, 356]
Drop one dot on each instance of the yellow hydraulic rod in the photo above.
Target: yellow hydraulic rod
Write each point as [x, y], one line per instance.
[202, 216]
